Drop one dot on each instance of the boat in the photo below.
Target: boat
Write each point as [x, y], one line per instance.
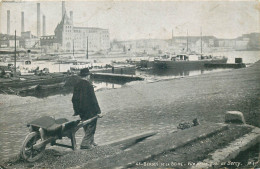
[27, 68]
[41, 90]
[50, 86]
[187, 61]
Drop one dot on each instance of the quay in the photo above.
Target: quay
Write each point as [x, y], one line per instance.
[118, 69]
[225, 65]
[115, 77]
[157, 107]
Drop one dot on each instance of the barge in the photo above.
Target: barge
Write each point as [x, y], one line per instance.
[186, 62]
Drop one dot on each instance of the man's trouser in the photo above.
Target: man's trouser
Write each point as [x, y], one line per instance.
[88, 139]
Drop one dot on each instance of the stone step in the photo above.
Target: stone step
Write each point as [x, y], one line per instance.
[222, 156]
[151, 147]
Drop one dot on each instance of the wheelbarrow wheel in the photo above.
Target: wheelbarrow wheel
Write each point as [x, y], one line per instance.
[28, 153]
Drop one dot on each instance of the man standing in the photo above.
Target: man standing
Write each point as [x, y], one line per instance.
[85, 105]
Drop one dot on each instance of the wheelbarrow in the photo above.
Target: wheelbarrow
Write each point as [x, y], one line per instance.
[45, 130]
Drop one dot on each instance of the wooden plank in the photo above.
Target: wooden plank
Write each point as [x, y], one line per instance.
[131, 139]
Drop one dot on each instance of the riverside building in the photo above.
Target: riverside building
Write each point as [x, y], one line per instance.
[75, 38]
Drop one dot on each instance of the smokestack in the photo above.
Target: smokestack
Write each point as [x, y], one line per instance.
[22, 22]
[63, 8]
[71, 16]
[38, 20]
[43, 26]
[8, 22]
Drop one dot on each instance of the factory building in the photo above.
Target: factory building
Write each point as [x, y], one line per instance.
[80, 38]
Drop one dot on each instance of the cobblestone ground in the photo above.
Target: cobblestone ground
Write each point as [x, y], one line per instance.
[137, 108]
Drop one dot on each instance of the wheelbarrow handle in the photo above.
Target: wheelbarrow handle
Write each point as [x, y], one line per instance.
[85, 122]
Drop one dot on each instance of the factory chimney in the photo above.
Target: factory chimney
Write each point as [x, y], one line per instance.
[43, 26]
[71, 16]
[8, 22]
[38, 20]
[22, 21]
[63, 8]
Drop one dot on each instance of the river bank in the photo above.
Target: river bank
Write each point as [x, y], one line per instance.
[132, 109]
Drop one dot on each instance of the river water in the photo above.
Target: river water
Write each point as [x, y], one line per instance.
[150, 75]
[248, 57]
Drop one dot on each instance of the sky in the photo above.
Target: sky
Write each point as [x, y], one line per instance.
[128, 20]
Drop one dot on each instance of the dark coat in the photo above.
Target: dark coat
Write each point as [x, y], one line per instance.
[84, 100]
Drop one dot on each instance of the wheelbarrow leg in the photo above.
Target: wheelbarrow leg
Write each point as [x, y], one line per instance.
[73, 141]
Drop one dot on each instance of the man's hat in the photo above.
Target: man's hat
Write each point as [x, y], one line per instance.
[84, 72]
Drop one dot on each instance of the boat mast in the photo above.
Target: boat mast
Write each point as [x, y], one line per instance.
[172, 37]
[73, 48]
[15, 53]
[187, 42]
[87, 47]
[200, 42]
